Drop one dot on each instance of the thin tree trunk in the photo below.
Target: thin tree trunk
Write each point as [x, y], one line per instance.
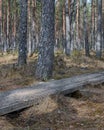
[67, 12]
[64, 28]
[77, 25]
[1, 45]
[99, 31]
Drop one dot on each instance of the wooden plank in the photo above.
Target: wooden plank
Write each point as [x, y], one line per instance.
[18, 99]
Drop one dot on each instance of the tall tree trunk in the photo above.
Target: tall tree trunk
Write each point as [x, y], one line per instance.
[47, 40]
[1, 45]
[77, 25]
[17, 25]
[33, 30]
[5, 27]
[99, 31]
[29, 28]
[92, 24]
[67, 12]
[10, 24]
[86, 43]
[14, 28]
[64, 28]
[23, 33]
[73, 29]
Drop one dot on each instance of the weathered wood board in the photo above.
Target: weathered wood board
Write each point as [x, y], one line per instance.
[18, 99]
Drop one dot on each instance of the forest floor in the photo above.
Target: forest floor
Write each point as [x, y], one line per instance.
[82, 110]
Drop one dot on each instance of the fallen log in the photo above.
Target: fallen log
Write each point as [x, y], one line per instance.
[18, 99]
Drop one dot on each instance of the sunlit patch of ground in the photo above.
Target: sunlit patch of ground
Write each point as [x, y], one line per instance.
[82, 111]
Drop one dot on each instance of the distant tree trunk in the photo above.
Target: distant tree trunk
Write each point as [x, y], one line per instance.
[73, 24]
[10, 13]
[95, 23]
[4, 7]
[64, 28]
[17, 25]
[92, 24]
[99, 31]
[47, 40]
[77, 25]
[86, 43]
[23, 33]
[1, 45]
[67, 12]
[29, 28]
[14, 29]
[33, 27]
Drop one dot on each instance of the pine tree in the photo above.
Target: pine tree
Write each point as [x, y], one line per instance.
[99, 31]
[47, 40]
[23, 33]
[86, 43]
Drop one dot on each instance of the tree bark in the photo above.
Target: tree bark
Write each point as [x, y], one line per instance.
[78, 25]
[99, 31]
[23, 33]
[47, 40]
[86, 43]
[67, 12]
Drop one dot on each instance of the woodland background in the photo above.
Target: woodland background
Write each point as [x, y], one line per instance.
[59, 39]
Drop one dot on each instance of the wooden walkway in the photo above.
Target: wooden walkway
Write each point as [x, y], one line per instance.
[18, 99]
